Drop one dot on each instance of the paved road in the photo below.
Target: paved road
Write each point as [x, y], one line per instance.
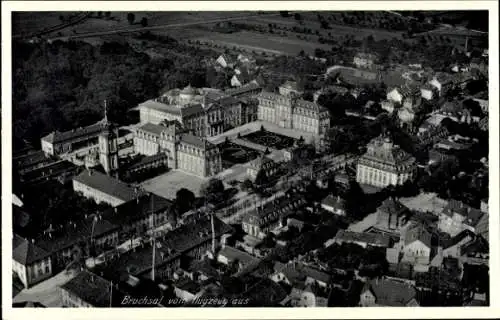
[158, 27]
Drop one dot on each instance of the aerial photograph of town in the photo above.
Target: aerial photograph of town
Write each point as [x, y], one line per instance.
[250, 159]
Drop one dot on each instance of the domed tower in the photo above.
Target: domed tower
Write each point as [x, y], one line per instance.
[108, 145]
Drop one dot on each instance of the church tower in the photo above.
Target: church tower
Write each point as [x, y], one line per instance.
[108, 145]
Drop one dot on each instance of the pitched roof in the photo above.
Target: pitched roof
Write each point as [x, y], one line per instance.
[390, 293]
[57, 136]
[259, 162]
[369, 238]
[251, 86]
[106, 184]
[479, 245]
[92, 289]
[298, 272]
[73, 233]
[155, 105]
[335, 202]
[131, 211]
[459, 238]
[193, 234]
[392, 206]
[233, 254]
[418, 232]
[26, 252]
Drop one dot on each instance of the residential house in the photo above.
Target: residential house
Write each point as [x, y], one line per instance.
[394, 95]
[88, 290]
[335, 205]
[391, 215]
[452, 247]
[264, 164]
[263, 219]
[388, 293]
[225, 61]
[31, 263]
[187, 290]
[145, 213]
[66, 242]
[294, 272]
[309, 296]
[417, 245]
[230, 256]
[457, 216]
[475, 252]
[364, 60]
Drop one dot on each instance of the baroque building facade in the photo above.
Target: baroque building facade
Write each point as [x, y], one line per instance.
[288, 111]
[385, 163]
[206, 112]
[185, 151]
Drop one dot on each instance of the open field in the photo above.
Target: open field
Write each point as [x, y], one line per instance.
[29, 22]
[166, 185]
[336, 30]
[261, 42]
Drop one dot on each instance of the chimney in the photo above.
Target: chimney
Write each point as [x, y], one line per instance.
[33, 241]
[116, 209]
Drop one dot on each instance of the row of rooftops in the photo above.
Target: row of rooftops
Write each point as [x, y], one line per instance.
[281, 206]
[82, 132]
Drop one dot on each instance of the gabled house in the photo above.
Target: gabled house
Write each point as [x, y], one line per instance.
[457, 216]
[31, 263]
[391, 215]
[388, 293]
[294, 273]
[225, 61]
[335, 205]
[417, 245]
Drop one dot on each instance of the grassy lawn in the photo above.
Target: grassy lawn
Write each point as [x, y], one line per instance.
[261, 42]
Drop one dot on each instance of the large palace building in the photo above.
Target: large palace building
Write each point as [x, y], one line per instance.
[384, 164]
[206, 112]
[185, 151]
[288, 111]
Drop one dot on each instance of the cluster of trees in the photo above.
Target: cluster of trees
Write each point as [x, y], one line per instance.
[62, 85]
[370, 262]
[56, 204]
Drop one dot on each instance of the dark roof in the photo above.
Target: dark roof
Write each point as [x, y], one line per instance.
[243, 89]
[391, 293]
[479, 245]
[369, 238]
[138, 262]
[191, 235]
[418, 232]
[273, 210]
[92, 289]
[392, 206]
[25, 252]
[20, 218]
[458, 238]
[106, 184]
[31, 159]
[298, 272]
[472, 215]
[335, 202]
[56, 136]
[131, 211]
[233, 254]
[148, 159]
[73, 233]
